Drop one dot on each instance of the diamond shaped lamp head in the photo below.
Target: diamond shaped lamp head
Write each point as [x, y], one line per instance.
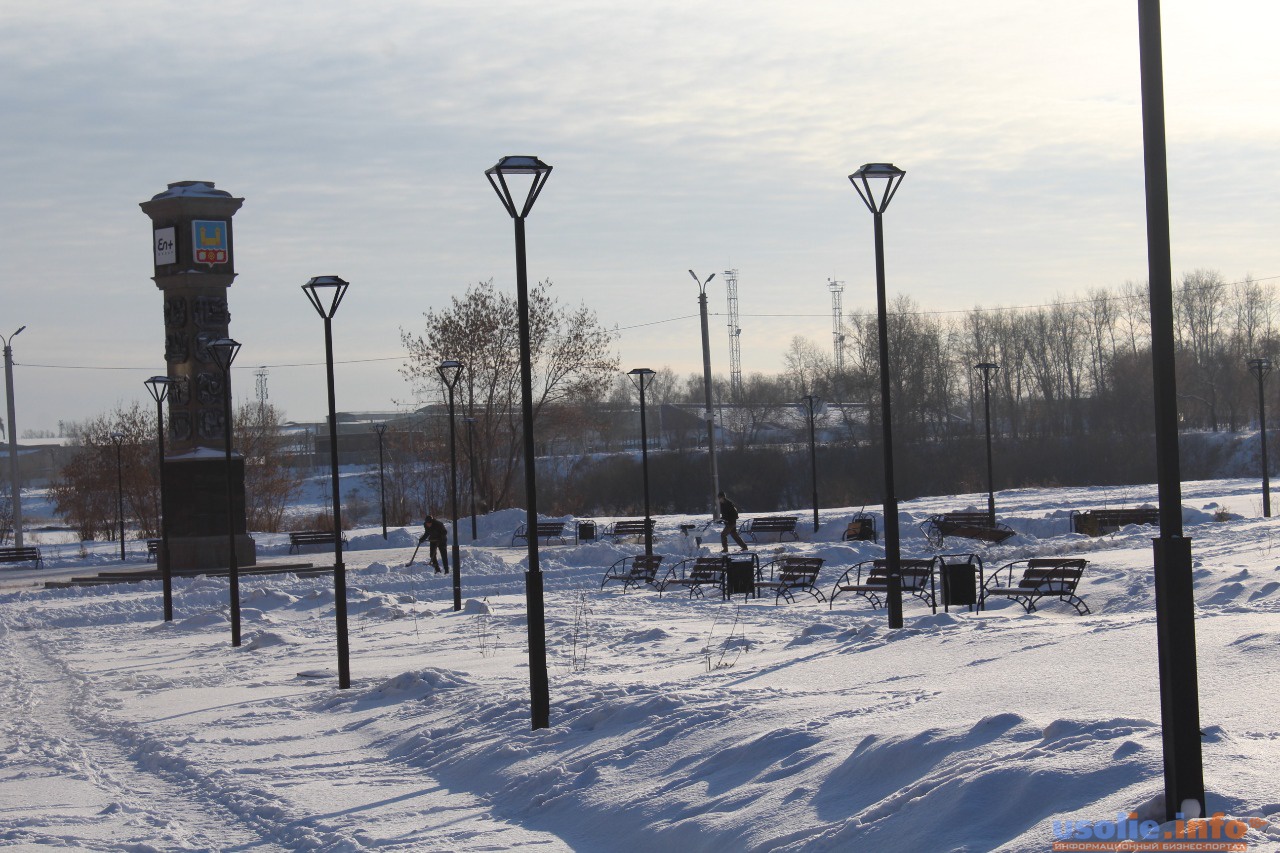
[524, 173]
[224, 352]
[325, 293]
[159, 387]
[642, 377]
[450, 372]
[876, 183]
[1259, 367]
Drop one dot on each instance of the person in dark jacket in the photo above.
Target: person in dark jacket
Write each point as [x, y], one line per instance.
[437, 536]
[729, 513]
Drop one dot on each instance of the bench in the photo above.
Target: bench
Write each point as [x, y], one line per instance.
[25, 554]
[1042, 577]
[695, 573]
[634, 572]
[870, 579]
[299, 539]
[1096, 522]
[153, 546]
[862, 528]
[628, 527]
[789, 575]
[779, 524]
[966, 525]
[544, 530]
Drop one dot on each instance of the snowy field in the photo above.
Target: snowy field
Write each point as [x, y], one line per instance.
[678, 724]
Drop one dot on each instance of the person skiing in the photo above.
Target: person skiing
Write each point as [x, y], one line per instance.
[729, 513]
[437, 537]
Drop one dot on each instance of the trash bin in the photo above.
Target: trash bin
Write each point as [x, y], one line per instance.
[959, 584]
[586, 531]
[740, 575]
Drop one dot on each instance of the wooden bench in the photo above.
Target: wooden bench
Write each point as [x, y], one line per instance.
[628, 527]
[870, 579]
[301, 538]
[779, 524]
[862, 528]
[1042, 577]
[695, 573]
[545, 530]
[25, 554]
[966, 525]
[789, 575]
[1096, 522]
[153, 547]
[634, 572]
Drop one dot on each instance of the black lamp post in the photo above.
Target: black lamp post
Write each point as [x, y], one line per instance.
[158, 386]
[381, 430]
[643, 378]
[325, 293]
[15, 484]
[535, 173]
[224, 351]
[812, 406]
[988, 369]
[450, 372]
[117, 438]
[1260, 367]
[471, 457]
[886, 178]
[1175, 593]
[709, 414]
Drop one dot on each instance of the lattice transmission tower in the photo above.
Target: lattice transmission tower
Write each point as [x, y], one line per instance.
[260, 377]
[837, 322]
[735, 333]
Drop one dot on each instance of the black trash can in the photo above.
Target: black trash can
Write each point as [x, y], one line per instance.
[959, 584]
[586, 531]
[740, 575]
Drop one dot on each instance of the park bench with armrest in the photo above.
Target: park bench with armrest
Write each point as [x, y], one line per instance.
[627, 527]
[966, 525]
[153, 548]
[870, 579]
[1042, 577]
[862, 528]
[1096, 522]
[779, 524]
[634, 572]
[789, 575]
[695, 573]
[302, 538]
[545, 530]
[25, 554]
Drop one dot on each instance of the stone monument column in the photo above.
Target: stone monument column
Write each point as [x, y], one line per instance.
[194, 266]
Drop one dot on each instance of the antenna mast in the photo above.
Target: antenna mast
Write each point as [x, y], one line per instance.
[735, 345]
[837, 322]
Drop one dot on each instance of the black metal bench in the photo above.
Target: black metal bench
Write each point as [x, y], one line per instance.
[1042, 577]
[545, 530]
[789, 575]
[1096, 522]
[696, 573]
[966, 525]
[634, 572]
[870, 579]
[153, 547]
[862, 528]
[302, 538]
[25, 554]
[628, 527]
[779, 524]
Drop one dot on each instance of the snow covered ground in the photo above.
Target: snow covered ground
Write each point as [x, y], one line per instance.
[678, 724]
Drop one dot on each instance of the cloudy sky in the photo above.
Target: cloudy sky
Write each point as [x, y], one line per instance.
[704, 135]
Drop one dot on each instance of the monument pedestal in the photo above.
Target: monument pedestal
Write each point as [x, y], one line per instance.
[196, 492]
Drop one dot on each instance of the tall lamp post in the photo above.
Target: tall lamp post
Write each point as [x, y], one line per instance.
[1175, 593]
[1260, 367]
[643, 378]
[325, 293]
[886, 178]
[450, 372]
[709, 414]
[224, 351]
[535, 173]
[15, 485]
[471, 457]
[812, 406]
[381, 430]
[158, 387]
[117, 438]
[988, 369]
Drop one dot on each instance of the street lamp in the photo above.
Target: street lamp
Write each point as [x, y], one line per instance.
[450, 372]
[14, 482]
[1260, 367]
[224, 351]
[988, 369]
[471, 457]
[886, 178]
[813, 406]
[158, 386]
[643, 378]
[117, 438]
[325, 293]
[535, 173]
[1174, 587]
[381, 430]
[709, 414]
